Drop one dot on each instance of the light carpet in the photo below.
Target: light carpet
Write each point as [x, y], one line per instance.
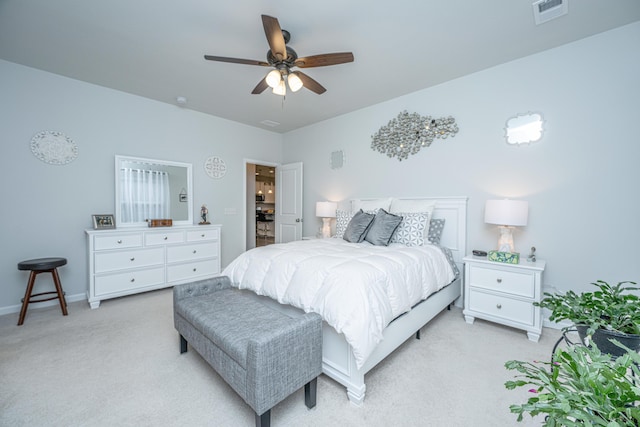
[120, 365]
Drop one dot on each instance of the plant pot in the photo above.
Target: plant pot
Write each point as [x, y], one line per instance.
[601, 338]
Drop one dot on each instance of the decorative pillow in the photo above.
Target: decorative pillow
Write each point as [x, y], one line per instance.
[358, 227]
[342, 220]
[436, 225]
[382, 228]
[371, 205]
[399, 206]
[411, 230]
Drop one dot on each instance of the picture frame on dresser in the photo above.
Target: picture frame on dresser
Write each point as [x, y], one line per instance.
[103, 221]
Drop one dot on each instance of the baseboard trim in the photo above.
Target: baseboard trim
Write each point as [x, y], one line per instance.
[16, 308]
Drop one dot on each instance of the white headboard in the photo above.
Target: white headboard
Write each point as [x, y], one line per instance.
[454, 211]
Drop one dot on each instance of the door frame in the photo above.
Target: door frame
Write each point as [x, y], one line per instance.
[245, 219]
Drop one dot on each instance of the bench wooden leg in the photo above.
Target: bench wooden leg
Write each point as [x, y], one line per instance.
[27, 296]
[183, 345]
[63, 301]
[263, 420]
[310, 389]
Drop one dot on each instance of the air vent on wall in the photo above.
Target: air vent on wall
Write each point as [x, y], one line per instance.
[546, 10]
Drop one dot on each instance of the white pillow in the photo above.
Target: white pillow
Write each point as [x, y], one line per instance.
[370, 205]
[414, 206]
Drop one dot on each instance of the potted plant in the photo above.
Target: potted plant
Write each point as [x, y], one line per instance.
[612, 311]
[582, 387]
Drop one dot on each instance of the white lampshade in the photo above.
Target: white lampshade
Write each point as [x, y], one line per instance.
[326, 209]
[506, 212]
[274, 78]
[295, 84]
[281, 89]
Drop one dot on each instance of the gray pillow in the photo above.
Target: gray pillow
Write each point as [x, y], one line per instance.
[358, 226]
[382, 229]
[435, 230]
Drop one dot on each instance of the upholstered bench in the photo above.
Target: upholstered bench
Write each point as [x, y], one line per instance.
[264, 354]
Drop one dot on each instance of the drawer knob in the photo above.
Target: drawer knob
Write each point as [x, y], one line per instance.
[194, 269]
[202, 235]
[194, 251]
[133, 259]
[498, 306]
[165, 237]
[119, 241]
[133, 280]
[499, 280]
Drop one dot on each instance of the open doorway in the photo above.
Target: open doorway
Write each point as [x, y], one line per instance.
[261, 204]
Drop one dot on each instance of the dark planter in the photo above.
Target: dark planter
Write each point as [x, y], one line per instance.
[601, 338]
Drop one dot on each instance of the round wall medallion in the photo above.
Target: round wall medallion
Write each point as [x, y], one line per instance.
[54, 148]
[215, 167]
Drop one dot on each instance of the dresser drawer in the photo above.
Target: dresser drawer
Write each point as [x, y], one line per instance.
[192, 252]
[198, 236]
[112, 261]
[503, 281]
[117, 241]
[503, 307]
[180, 272]
[163, 238]
[130, 281]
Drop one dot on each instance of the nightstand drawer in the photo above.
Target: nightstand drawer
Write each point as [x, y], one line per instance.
[503, 281]
[503, 307]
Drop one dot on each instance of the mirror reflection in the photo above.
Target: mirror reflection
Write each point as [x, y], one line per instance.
[524, 128]
[152, 189]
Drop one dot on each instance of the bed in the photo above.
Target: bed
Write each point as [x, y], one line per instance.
[359, 334]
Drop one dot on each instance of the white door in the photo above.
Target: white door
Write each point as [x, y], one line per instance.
[288, 203]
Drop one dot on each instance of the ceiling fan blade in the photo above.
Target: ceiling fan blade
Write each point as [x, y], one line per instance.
[324, 60]
[274, 37]
[260, 87]
[236, 60]
[310, 84]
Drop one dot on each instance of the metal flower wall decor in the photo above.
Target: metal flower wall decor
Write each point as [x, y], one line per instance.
[409, 132]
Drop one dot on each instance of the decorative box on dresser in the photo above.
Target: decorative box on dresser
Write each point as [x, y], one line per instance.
[132, 260]
[504, 293]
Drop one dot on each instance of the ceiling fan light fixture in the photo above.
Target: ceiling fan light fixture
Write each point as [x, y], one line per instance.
[295, 84]
[281, 89]
[274, 78]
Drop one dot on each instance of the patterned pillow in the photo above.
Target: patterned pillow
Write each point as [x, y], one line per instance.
[342, 220]
[436, 225]
[410, 232]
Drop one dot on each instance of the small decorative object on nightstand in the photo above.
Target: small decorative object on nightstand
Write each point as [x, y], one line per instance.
[504, 293]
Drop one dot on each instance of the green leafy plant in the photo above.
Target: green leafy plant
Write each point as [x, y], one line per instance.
[581, 387]
[610, 307]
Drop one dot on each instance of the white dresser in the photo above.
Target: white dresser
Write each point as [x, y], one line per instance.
[129, 261]
[504, 293]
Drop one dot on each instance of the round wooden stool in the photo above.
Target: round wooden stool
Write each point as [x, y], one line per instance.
[37, 266]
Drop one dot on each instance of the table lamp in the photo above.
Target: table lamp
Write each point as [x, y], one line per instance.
[326, 211]
[507, 214]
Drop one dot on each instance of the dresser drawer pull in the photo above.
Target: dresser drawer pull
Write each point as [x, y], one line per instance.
[194, 269]
[132, 279]
[133, 258]
[202, 235]
[194, 251]
[498, 306]
[499, 280]
[119, 241]
[165, 237]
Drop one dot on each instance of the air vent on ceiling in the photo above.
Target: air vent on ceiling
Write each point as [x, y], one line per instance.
[546, 10]
[270, 123]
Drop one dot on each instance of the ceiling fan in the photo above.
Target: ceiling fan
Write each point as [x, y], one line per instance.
[283, 58]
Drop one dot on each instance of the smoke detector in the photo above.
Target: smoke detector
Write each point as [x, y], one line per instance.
[546, 10]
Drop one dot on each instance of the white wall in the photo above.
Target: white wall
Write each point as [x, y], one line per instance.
[580, 179]
[44, 209]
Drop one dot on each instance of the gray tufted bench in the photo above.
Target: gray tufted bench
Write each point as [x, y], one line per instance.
[263, 354]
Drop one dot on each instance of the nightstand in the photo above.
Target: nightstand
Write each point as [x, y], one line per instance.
[504, 293]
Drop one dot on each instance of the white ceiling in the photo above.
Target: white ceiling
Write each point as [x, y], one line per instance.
[155, 48]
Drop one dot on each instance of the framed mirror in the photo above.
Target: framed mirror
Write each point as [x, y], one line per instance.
[524, 128]
[152, 189]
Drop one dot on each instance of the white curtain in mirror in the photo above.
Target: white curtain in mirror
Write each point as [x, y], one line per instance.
[144, 195]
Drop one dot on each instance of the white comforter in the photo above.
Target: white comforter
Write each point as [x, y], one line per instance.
[357, 288]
